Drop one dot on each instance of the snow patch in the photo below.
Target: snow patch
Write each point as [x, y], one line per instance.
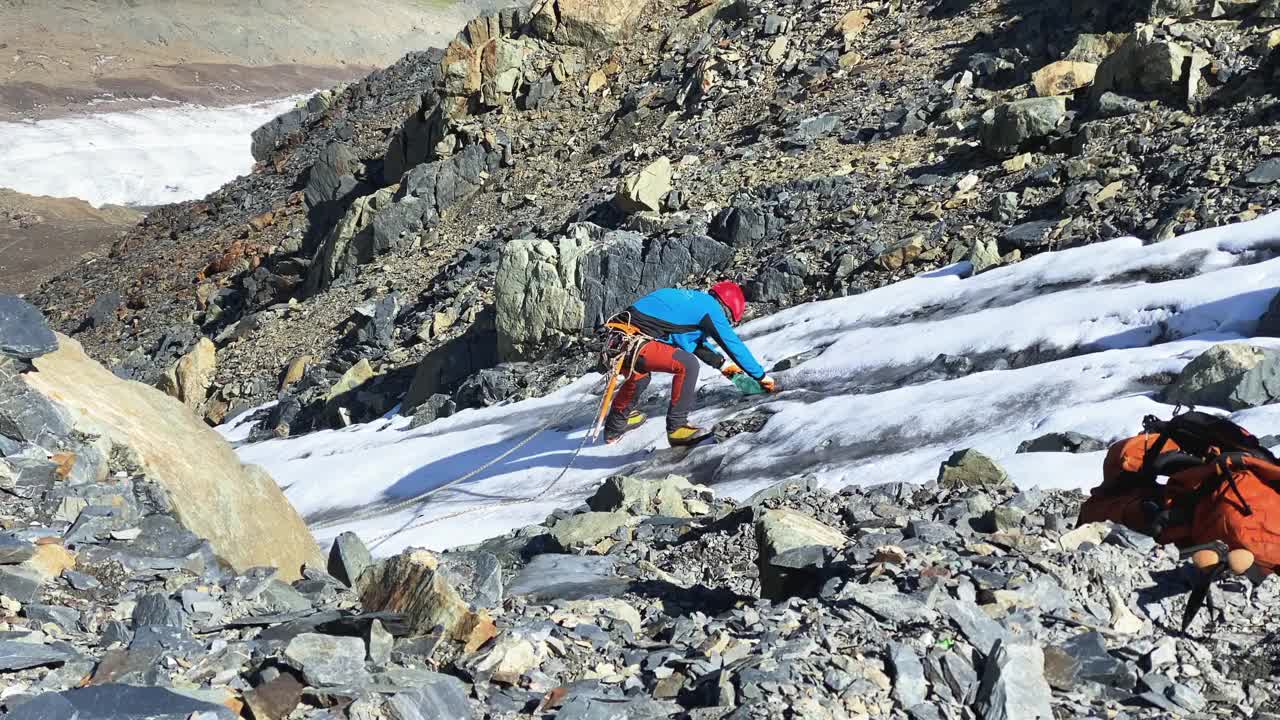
[1067, 341]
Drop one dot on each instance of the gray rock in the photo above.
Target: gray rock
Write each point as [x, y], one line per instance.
[118, 702]
[440, 185]
[64, 617]
[739, 226]
[24, 334]
[909, 685]
[1013, 685]
[1089, 650]
[156, 609]
[325, 660]
[81, 581]
[1068, 442]
[103, 312]
[588, 528]
[380, 643]
[348, 558]
[14, 551]
[16, 655]
[548, 290]
[584, 707]
[978, 628]
[1149, 67]
[284, 598]
[379, 322]
[1111, 105]
[568, 577]
[1234, 376]
[436, 696]
[792, 547]
[489, 387]
[1006, 128]
[28, 416]
[20, 583]
[1266, 173]
[332, 176]
[434, 408]
[1031, 236]
[1005, 207]
[477, 576]
[971, 469]
[885, 602]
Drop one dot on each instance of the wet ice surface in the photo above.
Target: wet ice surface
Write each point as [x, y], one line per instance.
[1063, 341]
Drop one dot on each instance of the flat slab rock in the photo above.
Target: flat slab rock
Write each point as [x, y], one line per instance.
[24, 334]
[16, 655]
[117, 702]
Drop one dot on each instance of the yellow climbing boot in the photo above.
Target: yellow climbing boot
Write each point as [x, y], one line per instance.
[634, 420]
[687, 435]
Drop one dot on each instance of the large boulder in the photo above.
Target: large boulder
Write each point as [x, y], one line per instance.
[587, 23]
[189, 380]
[1063, 77]
[238, 508]
[414, 584]
[1147, 67]
[1006, 128]
[1230, 375]
[644, 191]
[793, 549]
[547, 290]
[24, 334]
[971, 469]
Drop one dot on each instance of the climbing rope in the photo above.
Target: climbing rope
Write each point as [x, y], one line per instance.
[373, 511]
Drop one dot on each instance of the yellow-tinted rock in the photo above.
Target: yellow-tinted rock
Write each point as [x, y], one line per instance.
[237, 507]
[1063, 77]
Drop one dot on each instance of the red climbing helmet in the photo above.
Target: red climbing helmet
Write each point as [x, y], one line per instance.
[730, 293]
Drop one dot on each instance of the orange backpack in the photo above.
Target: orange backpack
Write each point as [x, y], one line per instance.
[1223, 485]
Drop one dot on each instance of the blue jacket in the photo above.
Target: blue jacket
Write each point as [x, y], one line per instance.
[687, 319]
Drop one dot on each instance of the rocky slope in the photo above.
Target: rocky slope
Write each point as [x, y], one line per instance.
[960, 597]
[808, 149]
[61, 59]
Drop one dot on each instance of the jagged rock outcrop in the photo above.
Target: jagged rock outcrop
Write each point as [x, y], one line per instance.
[237, 507]
[547, 290]
[414, 584]
[1005, 129]
[1151, 67]
[586, 22]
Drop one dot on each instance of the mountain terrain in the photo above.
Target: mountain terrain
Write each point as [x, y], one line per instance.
[981, 240]
[62, 58]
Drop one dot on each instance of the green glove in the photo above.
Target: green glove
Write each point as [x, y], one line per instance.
[747, 384]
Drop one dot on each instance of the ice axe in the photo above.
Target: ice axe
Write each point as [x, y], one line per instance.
[1213, 561]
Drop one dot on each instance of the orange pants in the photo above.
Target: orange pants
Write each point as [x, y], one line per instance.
[655, 356]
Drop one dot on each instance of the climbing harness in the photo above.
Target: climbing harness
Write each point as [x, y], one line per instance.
[622, 344]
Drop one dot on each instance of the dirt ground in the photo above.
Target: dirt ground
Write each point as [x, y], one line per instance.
[40, 236]
[61, 58]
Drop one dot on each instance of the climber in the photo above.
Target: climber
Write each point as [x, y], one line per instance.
[667, 331]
